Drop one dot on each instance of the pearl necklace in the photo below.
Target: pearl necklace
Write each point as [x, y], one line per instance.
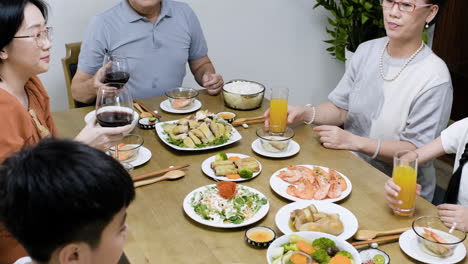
[402, 68]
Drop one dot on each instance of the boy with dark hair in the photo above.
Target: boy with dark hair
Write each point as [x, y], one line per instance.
[66, 202]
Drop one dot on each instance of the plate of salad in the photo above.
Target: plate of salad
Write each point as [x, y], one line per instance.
[226, 205]
[312, 247]
[231, 167]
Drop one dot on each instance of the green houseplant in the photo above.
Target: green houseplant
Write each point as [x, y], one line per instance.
[352, 22]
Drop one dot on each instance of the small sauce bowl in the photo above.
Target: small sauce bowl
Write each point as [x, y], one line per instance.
[260, 236]
[228, 116]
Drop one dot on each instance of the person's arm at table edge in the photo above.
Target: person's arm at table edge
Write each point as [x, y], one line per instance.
[205, 74]
[84, 86]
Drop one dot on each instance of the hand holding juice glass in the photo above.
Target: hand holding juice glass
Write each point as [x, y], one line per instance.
[405, 171]
[278, 109]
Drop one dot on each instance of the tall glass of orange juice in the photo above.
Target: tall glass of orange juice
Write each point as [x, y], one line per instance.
[278, 109]
[405, 171]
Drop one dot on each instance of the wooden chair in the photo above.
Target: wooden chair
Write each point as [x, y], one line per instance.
[70, 65]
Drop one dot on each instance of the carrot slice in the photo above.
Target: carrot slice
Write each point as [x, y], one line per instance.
[340, 259]
[298, 259]
[233, 176]
[226, 189]
[234, 158]
[305, 247]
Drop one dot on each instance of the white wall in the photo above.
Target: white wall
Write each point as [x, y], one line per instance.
[274, 42]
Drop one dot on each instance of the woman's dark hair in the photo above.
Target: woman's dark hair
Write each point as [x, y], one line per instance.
[12, 15]
[59, 192]
[441, 4]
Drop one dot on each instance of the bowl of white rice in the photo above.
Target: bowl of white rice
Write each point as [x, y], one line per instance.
[243, 95]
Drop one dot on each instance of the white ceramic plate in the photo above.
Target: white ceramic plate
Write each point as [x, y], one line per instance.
[293, 149]
[191, 212]
[206, 168]
[280, 186]
[166, 106]
[144, 155]
[340, 243]
[410, 245]
[92, 114]
[235, 136]
[349, 220]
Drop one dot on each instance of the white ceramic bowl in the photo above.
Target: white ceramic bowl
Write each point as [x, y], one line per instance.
[340, 243]
[92, 114]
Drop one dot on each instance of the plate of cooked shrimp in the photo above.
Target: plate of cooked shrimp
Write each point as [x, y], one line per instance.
[310, 182]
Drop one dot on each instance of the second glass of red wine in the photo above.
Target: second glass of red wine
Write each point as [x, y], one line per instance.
[114, 108]
[117, 71]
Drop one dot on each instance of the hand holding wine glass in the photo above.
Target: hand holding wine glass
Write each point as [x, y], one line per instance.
[116, 70]
[114, 107]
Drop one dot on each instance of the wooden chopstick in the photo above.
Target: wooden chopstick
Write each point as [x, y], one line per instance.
[248, 121]
[154, 173]
[384, 239]
[146, 108]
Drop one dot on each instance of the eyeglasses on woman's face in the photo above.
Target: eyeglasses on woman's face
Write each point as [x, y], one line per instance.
[404, 6]
[40, 37]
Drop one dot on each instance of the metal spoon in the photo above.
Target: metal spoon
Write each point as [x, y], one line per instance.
[370, 234]
[171, 175]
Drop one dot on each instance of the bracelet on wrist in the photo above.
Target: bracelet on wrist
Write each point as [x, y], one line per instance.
[313, 115]
[377, 149]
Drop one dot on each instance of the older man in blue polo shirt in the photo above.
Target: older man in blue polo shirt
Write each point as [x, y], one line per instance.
[158, 37]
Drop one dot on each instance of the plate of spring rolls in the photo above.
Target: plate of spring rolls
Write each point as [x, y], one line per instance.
[200, 131]
[231, 167]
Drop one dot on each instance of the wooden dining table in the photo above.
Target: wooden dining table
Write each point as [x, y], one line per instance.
[161, 232]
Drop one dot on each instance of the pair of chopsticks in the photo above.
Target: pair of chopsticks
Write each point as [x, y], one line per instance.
[146, 108]
[380, 240]
[155, 173]
[248, 120]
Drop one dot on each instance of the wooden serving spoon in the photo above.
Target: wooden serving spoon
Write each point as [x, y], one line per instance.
[171, 175]
[143, 113]
[370, 234]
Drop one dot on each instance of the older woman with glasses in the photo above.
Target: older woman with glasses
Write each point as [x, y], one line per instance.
[395, 95]
[24, 103]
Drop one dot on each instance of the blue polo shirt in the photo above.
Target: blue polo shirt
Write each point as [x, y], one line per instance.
[157, 53]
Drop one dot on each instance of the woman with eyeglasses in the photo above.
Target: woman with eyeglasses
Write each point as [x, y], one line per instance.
[395, 95]
[24, 104]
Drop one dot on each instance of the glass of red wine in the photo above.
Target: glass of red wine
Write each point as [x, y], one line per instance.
[114, 108]
[117, 71]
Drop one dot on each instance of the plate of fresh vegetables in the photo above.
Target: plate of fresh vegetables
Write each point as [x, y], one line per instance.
[311, 247]
[231, 167]
[226, 205]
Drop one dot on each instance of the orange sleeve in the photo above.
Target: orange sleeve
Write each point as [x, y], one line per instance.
[13, 131]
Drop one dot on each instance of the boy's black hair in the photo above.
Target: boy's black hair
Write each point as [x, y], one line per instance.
[59, 192]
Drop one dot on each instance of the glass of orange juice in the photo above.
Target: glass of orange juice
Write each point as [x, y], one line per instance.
[278, 109]
[405, 171]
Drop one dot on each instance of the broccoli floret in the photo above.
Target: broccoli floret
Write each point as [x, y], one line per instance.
[321, 256]
[246, 173]
[221, 156]
[345, 253]
[323, 243]
[290, 246]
